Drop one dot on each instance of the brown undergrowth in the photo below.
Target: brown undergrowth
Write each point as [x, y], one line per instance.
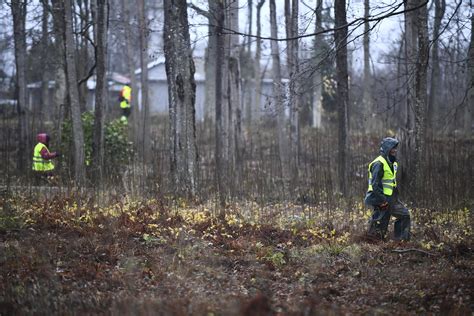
[70, 256]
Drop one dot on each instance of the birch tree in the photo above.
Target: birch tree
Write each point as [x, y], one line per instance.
[182, 95]
[317, 77]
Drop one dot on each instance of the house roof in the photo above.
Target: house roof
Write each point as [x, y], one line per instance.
[153, 64]
[112, 77]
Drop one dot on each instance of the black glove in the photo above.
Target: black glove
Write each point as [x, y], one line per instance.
[384, 206]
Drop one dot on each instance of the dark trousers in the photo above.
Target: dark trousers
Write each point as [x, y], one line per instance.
[41, 177]
[378, 224]
[126, 112]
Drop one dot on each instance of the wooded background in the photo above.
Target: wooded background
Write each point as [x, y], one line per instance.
[322, 123]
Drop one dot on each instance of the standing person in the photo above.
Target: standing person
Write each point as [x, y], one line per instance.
[125, 98]
[43, 165]
[382, 194]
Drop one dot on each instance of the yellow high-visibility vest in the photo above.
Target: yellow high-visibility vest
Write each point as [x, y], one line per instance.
[127, 95]
[40, 164]
[389, 179]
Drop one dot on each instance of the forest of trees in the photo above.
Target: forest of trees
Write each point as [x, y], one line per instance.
[234, 183]
[422, 94]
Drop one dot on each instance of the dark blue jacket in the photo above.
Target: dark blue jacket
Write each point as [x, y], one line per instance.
[376, 196]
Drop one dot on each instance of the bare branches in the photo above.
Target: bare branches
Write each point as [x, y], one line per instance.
[357, 22]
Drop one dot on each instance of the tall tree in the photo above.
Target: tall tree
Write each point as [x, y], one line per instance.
[277, 97]
[342, 90]
[143, 38]
[411, 42]
[99, 14]
[216, 9]
[469, 106]
[317, 77]
[211, 68]
[71, 74]
[432, 107]
[421, 95]
[291, 17]
[19, 8]
[45, 73]
[129, 55]
[234, 95]
[182, 95]
[367, 105]
[258, 56]
[60, 88]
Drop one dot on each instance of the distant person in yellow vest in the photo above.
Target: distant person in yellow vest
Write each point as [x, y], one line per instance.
[382, 194]
[125, 99]
[42, 158]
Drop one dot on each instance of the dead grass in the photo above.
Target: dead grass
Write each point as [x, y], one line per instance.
[140, 257]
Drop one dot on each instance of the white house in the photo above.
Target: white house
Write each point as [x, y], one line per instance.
[158, 90]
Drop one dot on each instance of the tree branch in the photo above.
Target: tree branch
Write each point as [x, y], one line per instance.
[200, 11]
[357, 22]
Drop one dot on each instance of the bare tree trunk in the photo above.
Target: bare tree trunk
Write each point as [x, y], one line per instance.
[469, 106]
[81, 21]
[421, 98]
[342, 91]
[258, 56]
[129, 53]
[291, 17]
[143, 34]
[367, 104]
[78, 135]
[182, 95]
[216, 9]
[210, 104]
[60, 88]
[248, 88]
[432, 106]
[277, 96]
[19, 8]
[411, 30]
[317, 81]
[44, 75]
[100, 29]
[234, 88]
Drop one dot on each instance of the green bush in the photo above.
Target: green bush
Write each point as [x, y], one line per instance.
[118, 149]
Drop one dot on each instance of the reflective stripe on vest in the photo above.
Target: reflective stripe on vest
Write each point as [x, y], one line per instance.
[127, 95]
[40, 164]
[389, 179]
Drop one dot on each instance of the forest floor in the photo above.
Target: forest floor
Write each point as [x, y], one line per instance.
[72, 256]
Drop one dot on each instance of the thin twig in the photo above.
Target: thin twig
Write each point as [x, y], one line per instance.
[414, 250]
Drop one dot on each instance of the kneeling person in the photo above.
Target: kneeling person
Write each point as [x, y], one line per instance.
[43, 165]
